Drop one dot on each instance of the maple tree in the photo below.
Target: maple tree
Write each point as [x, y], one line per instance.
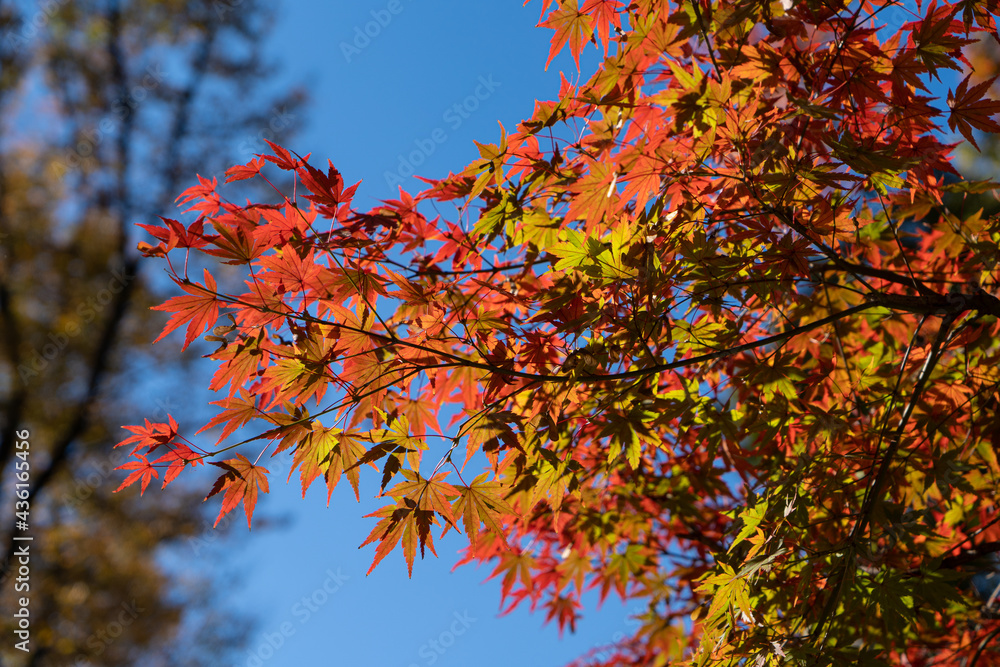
[702, 332]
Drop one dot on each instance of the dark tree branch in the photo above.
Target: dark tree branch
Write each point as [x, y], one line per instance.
[101, 359]
[10, 331]
[837, 263]
[874, 493]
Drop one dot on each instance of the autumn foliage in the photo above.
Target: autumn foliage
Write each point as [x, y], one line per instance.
[701, 332]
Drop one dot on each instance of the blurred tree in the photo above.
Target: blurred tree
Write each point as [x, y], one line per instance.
[984, 61]
[105, 107]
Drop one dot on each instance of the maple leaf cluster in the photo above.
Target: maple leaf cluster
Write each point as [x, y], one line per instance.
[704, 322]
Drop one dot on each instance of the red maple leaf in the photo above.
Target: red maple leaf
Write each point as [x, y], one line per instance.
[175, 235]
[142, 469]
[206, 192]
[971, 109]
[177, 457]
[283, 157]
[150, 436]
[237, 413]
[242, 172]
[200, 310]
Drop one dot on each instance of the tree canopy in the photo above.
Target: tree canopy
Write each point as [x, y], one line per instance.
[716, 329]
[106, 110]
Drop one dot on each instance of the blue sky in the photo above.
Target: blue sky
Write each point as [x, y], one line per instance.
[393, 84]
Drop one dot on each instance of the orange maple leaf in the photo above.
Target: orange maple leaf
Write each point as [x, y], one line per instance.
[570, 25]
[241, 482]
[200, 310]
